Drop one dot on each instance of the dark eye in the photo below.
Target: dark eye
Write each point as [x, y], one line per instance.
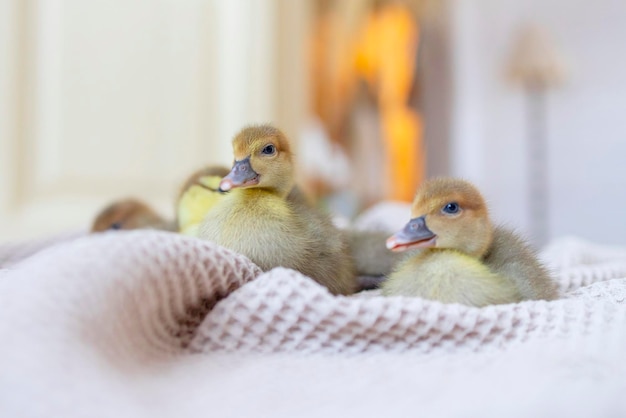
[269, 149]
[116, 225]
[451, 208]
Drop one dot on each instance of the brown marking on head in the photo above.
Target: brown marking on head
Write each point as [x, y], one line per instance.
[270, 156]
[126, 214]
[464, 225]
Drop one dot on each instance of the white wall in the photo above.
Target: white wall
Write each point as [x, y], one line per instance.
[586, 117]
[102, 100]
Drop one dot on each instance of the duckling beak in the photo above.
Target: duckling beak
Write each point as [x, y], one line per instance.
[414, 235]
[241, 175]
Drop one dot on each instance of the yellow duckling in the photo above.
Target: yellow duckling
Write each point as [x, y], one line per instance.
[197, 196]
[257, 217]
[463, 258]
[130, 214]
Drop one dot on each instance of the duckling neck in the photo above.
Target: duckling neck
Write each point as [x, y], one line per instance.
[256, 193]
[486, 245]
[256, 203]
[479, 246]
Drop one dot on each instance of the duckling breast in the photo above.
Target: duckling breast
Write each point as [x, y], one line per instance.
[450, 277]
[264, 230]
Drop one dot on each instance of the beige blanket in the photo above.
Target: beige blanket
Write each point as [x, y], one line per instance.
[155, 324]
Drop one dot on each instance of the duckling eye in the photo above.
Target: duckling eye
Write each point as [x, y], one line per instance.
[269, 149]
[116, 225]
[451, 208]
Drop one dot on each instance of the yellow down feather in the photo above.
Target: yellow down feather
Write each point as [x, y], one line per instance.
[196, 202]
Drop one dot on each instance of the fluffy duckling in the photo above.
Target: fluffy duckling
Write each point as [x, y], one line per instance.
[257, 217]
[130, 214]
[463, 258]
[197, 196]
[372, 260]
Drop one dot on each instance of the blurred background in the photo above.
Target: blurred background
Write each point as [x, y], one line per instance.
[104, 99]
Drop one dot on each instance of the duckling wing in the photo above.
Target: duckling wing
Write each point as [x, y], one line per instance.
[511, 257]
[328, 259]
[370, 254]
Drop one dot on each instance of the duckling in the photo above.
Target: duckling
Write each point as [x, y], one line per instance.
[461, 257]
[372, 260]
[197, 196]
[130, 214]
[257, 217]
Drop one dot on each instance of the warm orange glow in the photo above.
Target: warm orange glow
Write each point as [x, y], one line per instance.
[402, 130]
[385, 58]
[381, 51]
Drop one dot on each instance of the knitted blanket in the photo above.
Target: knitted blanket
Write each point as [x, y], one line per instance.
[150, 323]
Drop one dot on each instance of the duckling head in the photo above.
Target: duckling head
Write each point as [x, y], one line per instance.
[125, 214]
[263, 160]
[197, 197]
[446, 213]
[208, 178]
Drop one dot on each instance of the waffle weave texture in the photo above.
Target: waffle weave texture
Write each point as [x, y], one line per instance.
[88, 311]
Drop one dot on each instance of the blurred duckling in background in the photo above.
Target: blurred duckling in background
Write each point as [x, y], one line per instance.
[463, 258]
[130, 214]
[258, 219]
[372, 260]
[197, 196]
